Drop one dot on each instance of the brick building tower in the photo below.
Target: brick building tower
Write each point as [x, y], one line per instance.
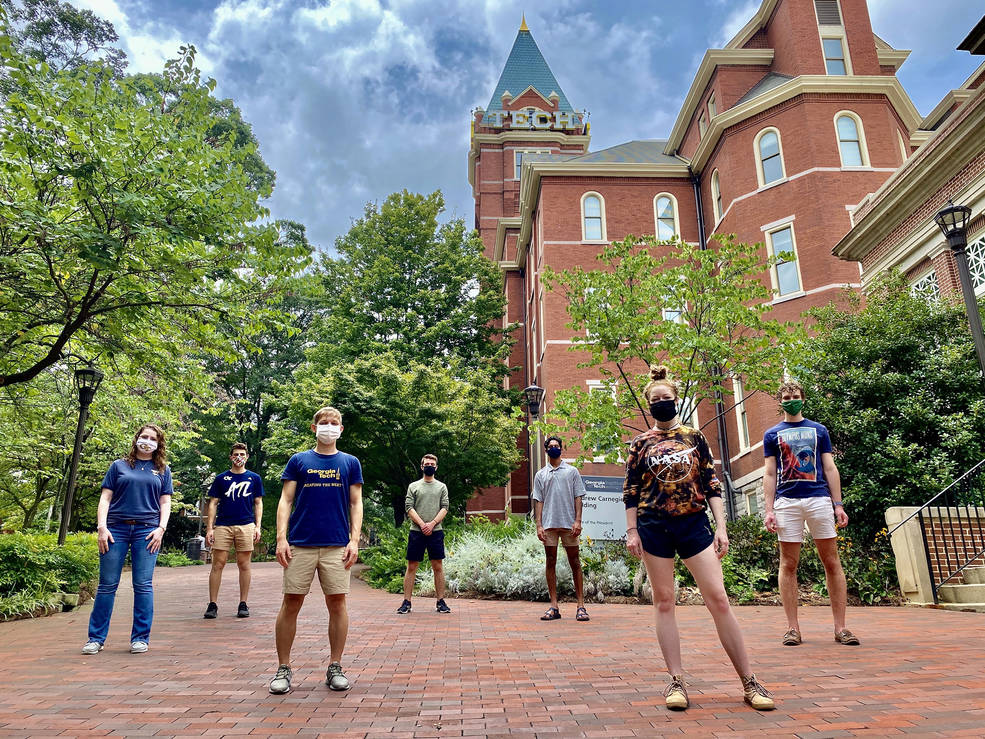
[781, 134]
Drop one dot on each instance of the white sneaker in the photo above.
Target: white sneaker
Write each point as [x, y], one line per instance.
[92, 647]
[138, 647]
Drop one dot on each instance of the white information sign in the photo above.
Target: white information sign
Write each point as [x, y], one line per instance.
[603, 514]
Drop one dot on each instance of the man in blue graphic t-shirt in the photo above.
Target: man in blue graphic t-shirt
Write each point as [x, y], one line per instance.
[319, 518]
[234, 513]
[798, 490]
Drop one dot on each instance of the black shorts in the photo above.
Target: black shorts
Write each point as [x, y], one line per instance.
[686, 535]
[417, 542]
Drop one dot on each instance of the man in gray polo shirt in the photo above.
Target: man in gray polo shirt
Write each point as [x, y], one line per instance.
[558, 490]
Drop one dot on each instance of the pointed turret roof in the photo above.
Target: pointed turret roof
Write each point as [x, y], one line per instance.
[526, 67]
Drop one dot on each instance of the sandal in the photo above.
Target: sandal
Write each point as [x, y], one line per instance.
[847, 637]
[791, 638]
[581, 614]
[552, 614]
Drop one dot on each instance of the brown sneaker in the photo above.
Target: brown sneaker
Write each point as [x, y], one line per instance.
[756, 695]
[792, 638]
[676, 694]
[847, 637]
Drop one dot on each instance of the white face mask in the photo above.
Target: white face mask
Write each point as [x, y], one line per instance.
[146, 445]
[328, 432]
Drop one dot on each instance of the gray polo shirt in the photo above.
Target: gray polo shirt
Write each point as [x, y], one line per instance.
[557, 488]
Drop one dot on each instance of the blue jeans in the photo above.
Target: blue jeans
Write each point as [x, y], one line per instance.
[126, 537]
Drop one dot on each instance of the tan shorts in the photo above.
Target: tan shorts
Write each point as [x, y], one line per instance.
[239, 538]
[567, 537]
[793, 513]
[300, 571]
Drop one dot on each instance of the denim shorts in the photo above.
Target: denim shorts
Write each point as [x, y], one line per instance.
[685, 535]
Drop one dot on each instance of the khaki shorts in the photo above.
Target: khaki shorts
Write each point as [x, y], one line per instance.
[793, 513]
[567, 537]
[327, 561]
[239, 538]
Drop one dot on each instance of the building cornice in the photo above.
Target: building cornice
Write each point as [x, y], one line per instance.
[759, 20]
[803, 85]
[502, 225]
[954, 97]
[558, 137]
[892, 57]
[713, 59]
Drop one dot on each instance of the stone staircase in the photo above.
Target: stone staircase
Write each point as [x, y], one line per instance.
[969, 595]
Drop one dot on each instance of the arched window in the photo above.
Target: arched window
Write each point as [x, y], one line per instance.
[716, 195]
[592, 217]
[850, 143]
[665, 216]
[770, 156]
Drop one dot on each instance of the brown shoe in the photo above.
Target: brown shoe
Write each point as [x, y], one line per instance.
[847, 637]
[756, 695]
[792, 638]
[676, 694]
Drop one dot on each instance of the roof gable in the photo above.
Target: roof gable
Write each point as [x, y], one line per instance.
[526, 68]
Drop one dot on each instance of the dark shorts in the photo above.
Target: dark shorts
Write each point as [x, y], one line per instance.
[417, 542]
[686, 535]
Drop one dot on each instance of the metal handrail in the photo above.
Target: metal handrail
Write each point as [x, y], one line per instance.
[930, 502]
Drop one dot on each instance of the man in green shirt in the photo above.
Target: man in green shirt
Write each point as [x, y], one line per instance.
[426, 505]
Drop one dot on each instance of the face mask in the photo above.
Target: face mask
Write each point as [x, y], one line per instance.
[553, 452]
[328, 432]
[146, 445]
[792, 407]
[429, 470]
[663, 410]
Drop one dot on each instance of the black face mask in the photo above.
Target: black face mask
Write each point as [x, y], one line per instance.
[553, 452]
[663, 410]
[429, 470]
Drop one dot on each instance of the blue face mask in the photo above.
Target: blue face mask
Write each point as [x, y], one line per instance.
[553, 452]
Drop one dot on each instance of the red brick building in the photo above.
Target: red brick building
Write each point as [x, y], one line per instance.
[781, 135]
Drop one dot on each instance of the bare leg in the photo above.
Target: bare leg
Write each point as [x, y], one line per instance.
[438, 568]
[661, 573]
[551, 573]
[707, 571]
[834, 576]
[338, 625]
[575, 561]
[287, 625]
[243, 562]
[789, 594]
[219, 557]
[409, 578]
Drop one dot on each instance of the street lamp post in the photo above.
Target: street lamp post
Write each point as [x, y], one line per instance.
[953, 222]
[87, 381]
[532, 395]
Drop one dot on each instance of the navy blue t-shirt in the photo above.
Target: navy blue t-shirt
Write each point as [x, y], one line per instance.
[137, 491]
[236, 493]
[797, 448]
[321, 501]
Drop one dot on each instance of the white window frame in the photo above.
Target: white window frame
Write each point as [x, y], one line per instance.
[712, 107]
[860, 130]
[518, 166]
[760, 174]
[702, 124]
[835, 33]
[741, 416]
[902, 146]
[716, 196]
[774, 277]
[927, 286]
[976, 263]
[656, 216]
[752, 496]
[584, 237]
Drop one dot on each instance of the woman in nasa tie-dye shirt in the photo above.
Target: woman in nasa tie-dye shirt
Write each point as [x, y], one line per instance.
[670, 485]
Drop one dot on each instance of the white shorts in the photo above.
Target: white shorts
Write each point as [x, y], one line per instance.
[793, 513]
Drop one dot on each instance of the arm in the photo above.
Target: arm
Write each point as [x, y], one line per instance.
[576, 529]
[211, 507]
[833, 477]
[444, 506]
[351, 553]
[283, 516]
[103, 537]
[410, 500]
[769, 493]
[721, 531]
[155, 537]
[539, 518]
[257, 517]
[414, 516]
[633, 543]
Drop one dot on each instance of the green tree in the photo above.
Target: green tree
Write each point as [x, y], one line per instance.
[702, 312]
[393, 413]
[897, 384]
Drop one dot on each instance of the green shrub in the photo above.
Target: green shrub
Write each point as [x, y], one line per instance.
[386, 558]
[26, 604]
[35, 565]
[176, 559]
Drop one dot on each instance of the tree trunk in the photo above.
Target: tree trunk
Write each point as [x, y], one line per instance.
[399, 514]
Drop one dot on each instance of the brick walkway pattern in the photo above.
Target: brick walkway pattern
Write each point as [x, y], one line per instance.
[490, 668]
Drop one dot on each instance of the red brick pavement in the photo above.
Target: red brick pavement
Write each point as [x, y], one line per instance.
[490, 668]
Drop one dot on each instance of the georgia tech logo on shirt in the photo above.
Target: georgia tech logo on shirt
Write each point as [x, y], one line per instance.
[671, 461]
[227, 477]
[326, 474]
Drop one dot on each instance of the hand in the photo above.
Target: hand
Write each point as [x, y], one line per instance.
[153, 540]
[103, 539]
[256, 535]
[633, 543]
[209, 538]
[284, 555]
[770, 521]
[351, 554]
[427, 528]
[576, 529]
[540, 533]
[841, 518]
[721, 542]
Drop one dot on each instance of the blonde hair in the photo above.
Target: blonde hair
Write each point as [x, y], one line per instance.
[660, 375]
[427, 457]
[328, 413]
[790, 386]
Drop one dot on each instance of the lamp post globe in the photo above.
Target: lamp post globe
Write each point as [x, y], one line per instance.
[533, 394]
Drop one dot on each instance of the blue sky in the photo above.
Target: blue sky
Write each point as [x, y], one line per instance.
[354, 99]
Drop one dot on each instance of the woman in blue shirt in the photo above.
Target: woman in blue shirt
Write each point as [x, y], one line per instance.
[132, 515]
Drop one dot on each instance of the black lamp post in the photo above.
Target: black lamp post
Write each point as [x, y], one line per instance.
[87, 381]
[533, 394]
[953, 222]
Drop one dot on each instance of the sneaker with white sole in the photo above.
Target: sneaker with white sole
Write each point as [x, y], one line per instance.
[92, 647]
[335, 679]
[282, 680]
[138, 647]
[676, 693]
[756, 694]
